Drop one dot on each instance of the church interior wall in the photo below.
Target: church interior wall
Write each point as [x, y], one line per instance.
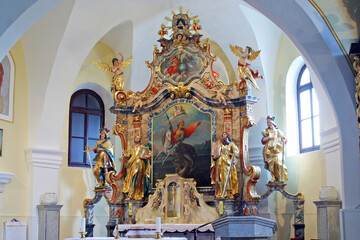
[120, 39]
[76, 184]
[306, 169]
[15, 140]
[51, 27]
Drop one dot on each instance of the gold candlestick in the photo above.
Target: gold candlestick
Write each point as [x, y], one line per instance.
[117, 230]
[82, 234]
[158, 235]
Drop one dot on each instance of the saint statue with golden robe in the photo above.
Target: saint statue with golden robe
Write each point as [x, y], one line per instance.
[224, 153]
[104, 158]
[137, 178]
[274, 141]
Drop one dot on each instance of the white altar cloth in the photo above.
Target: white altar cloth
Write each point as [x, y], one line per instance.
[123, 238]
[167, 227]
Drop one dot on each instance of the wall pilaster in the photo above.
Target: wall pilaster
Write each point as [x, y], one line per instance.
[43, 168]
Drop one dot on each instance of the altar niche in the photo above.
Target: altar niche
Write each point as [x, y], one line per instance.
[181, 137]
[177, 201]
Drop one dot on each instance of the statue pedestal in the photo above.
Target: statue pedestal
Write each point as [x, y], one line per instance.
[244, 227]
[49, 221]
[228, 206]
[328, 219]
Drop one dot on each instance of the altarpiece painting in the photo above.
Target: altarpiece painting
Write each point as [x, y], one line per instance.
[181, 138]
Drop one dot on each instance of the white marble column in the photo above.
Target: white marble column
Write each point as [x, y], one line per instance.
[43, 168]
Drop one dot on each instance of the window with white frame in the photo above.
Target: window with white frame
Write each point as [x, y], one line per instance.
[308, 113]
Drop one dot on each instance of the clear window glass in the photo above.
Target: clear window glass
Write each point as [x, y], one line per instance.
[308, 108]
[86, 119]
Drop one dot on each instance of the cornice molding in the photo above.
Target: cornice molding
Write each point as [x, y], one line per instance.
[330, 141]
[44, 157]
[4, 179]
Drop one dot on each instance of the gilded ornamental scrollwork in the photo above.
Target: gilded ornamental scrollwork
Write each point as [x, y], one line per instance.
[180, 91]
[356, 66]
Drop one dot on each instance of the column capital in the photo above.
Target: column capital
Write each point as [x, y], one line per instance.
[44, 157]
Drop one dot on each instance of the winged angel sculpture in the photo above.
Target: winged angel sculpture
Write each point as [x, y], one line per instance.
[244, 71]
[118, 69]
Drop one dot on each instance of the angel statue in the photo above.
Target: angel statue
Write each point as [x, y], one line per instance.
[244, 71]
[118, 69]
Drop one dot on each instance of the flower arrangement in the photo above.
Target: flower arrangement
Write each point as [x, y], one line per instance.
[193, 199]
[157, 200]
[119, 213]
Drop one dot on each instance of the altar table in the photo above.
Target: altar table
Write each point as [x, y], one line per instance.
[123, 238]
[167, 227]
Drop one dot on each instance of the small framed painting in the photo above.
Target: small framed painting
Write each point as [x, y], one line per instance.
[7, 70]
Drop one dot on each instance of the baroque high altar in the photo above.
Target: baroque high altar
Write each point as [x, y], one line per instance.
[184, 138]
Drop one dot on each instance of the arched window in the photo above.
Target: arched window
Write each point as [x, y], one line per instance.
[86, 117]
[308, 109]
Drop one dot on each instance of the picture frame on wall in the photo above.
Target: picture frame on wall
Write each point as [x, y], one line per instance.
[7, 72]
[1, 141]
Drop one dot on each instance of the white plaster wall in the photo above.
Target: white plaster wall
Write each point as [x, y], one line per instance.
[120, 40]
[17, 28]
[40, 55]
[14, 141]
[303, 169]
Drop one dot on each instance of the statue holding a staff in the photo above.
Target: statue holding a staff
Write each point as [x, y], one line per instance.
[223, 171]
[104, 158]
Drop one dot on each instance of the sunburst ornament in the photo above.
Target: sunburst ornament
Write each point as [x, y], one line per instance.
[182, 25]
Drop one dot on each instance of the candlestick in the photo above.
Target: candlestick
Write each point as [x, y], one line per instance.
[117, 229]
[83, 234]
[130, 209]
[221, 207]
[83, 225]
[157, 235]
[158, 224]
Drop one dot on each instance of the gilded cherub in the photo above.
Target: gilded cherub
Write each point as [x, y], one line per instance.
[244, 70]
[221, 93]
[140, 100]
[118, 70]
